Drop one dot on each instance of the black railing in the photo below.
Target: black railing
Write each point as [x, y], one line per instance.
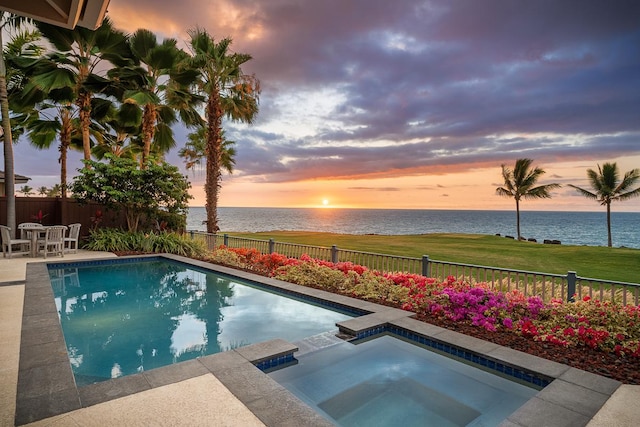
[548, 286]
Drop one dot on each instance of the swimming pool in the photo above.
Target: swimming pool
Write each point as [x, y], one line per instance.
[124, 318]
[387, 381]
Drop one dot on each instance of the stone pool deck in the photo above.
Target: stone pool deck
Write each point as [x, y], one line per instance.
[226, 388]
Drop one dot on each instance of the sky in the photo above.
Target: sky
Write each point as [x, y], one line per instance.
[411, 104]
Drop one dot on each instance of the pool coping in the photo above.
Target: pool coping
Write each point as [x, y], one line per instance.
[46, 386]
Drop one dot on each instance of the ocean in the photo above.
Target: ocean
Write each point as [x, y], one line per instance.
[570, 228]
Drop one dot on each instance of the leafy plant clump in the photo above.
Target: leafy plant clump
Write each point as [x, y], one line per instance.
[155, 194]
[114, 240]
[608, 327]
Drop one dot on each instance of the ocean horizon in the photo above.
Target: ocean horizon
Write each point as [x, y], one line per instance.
[570, 228]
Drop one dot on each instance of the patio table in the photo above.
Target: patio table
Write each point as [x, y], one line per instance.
[34, 232]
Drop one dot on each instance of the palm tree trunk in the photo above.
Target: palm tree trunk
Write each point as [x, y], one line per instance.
[518, 217]
[148, 124]
[609, 224]
[84, 104]
[9, 174]
[65, 141]
[213, 154]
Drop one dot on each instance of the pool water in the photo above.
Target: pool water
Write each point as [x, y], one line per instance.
[389, 382]
[124, 318]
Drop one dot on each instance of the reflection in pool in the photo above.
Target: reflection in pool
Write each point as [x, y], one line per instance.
[120, 319]
[389, 382]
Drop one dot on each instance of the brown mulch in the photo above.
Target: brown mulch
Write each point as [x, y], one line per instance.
[623, 369]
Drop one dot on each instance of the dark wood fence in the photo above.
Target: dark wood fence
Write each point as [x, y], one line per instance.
[55, 212]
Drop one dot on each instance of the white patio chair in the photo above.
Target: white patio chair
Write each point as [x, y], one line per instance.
[71, 241]
[53, 242]
[8, 243]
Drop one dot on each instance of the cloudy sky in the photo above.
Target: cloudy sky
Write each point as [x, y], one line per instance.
[412, 104]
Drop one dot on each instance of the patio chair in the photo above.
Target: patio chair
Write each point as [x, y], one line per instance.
[53, 242]
[8, 243]
[71, 241]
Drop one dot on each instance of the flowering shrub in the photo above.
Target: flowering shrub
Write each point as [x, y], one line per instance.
[308, 273]
[373, 286]
[250, 259]
[590, 323]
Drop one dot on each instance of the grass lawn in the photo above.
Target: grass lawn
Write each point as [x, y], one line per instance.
[618, 264]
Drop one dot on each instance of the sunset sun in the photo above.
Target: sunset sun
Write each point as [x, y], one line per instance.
[325, 202]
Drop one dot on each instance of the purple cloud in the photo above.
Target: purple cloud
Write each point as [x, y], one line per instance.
[421, 87]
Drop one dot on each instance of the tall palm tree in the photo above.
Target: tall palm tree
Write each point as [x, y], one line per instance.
[7, 21]
[79, 52]
[49, 107]
[519, 184]
[607, 187]
[229, 93]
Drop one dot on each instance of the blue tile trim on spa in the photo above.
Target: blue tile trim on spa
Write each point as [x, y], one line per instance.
[275, 362]
[493, 365]
[522, 375]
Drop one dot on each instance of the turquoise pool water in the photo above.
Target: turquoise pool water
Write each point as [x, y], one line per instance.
[389, 382]
[123, 318]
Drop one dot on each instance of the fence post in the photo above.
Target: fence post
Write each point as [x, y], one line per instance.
[334, 254]
[571, 286]
[426, 268]
[272, 246]
[225, 240]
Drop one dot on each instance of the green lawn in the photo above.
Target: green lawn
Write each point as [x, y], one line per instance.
[618, 264]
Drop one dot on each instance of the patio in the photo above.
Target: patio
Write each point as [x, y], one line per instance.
[190, 399]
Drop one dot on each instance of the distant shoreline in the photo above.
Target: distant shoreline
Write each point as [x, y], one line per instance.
[421, 209]
[570, 228]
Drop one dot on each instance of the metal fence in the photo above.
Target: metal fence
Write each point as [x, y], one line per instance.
[548, 286]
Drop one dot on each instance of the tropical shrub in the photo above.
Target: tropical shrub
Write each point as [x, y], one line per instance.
[115, 240]
[308, 273]
[156, 193]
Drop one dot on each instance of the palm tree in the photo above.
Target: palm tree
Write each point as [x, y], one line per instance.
[26, 190]
[8, 20]
[55, 191]
[119, 128]
[194, 151]
[158, 89]
[78, 53]
[50, 109]
[520, 182]
[608, 187]
[229, 93]
[43, 191]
